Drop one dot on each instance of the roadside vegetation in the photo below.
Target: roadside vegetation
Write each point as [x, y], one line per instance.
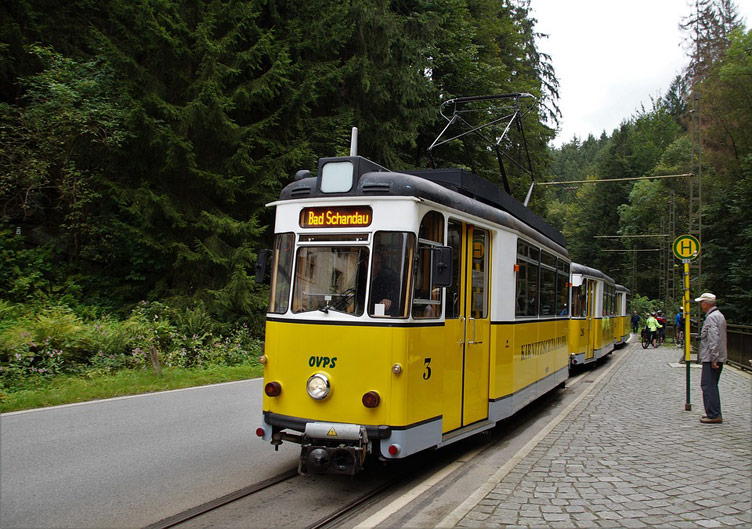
[51, 354]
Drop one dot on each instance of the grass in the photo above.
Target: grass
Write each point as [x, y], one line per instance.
[67, 389]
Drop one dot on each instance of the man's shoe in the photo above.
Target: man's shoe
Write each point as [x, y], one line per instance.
[708, 420]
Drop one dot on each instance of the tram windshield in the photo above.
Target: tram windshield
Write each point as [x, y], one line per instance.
[335, 277]
[330, 278]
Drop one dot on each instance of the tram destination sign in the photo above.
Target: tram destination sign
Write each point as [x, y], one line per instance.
[336, 217]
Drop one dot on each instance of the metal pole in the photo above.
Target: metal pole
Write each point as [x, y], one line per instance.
[687, 340]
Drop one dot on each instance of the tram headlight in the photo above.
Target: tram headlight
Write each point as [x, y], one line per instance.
[318, 386]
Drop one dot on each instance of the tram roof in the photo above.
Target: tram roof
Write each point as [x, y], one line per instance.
[455, 188]
[581, 269]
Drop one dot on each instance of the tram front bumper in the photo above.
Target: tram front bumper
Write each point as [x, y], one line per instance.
[333, 448]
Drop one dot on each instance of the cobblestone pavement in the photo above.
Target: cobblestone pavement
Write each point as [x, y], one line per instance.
[628, 455]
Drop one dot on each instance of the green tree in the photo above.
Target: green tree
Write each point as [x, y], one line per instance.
[57, 148]
[727, 132]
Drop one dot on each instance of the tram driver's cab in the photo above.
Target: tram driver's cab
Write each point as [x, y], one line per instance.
[335, 272]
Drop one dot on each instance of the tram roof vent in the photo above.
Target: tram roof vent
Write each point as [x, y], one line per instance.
[377, 187]
[341, 175]
[300, 190]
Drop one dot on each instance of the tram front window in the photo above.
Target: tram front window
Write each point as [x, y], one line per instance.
[330, 278]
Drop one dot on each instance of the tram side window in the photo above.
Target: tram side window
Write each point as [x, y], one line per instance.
[427, 300]
[579, 300]
[481, 255]
[608, 301]
[527, 279]
[562, 288]
[391, 273]
[281, 273]
[548, 285]
[619, 304]
[453, 290]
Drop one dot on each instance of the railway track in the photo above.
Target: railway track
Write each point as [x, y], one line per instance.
[309, 489]
[195, 512]
[330, 500]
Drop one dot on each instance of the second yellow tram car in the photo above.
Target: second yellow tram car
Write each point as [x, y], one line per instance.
[593, 325]
[408, 311]
[623, 325]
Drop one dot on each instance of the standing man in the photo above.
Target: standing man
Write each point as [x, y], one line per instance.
[712, 356]
[635, 322]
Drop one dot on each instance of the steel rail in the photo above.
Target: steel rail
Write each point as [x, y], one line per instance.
[350, 507]
[195, 512]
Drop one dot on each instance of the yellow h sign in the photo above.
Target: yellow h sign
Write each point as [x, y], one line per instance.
[686, 247]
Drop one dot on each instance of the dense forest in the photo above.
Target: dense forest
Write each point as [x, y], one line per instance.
[141, 140]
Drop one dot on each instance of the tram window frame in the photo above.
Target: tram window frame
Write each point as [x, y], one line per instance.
[562, 288]
[384, 249]
[281, 275]
[430, 236]
[619, 303]
[527, 280]
[608, 296]
[579, 300]
[547, 287]
[454, 240]
[480, 274]
[341, 288]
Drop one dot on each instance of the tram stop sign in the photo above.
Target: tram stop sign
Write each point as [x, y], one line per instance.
[686, 247]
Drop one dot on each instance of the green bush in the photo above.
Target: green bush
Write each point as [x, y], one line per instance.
[58, 327]
[37, 346]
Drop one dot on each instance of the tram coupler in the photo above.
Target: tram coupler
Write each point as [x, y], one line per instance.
[333, 448]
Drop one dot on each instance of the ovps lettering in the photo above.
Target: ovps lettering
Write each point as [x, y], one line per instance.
[322, 361]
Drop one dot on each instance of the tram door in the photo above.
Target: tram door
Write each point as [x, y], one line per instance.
[468, 322]
[591, 289]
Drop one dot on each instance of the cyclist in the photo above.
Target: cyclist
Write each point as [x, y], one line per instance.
[652, 325]
[662, 328]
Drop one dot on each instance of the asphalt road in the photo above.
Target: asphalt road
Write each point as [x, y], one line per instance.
[132, 461]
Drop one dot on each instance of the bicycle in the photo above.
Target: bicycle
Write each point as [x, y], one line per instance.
[680, 338]
[645, 338]
[649, 339]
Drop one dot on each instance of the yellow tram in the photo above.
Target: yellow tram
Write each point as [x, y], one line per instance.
[593, 324]
[411, 310]
[622, 328]
[408, 311]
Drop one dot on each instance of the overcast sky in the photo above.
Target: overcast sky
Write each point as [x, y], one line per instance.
[611, 56]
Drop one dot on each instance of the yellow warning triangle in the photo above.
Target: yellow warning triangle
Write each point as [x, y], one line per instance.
[332, 432]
